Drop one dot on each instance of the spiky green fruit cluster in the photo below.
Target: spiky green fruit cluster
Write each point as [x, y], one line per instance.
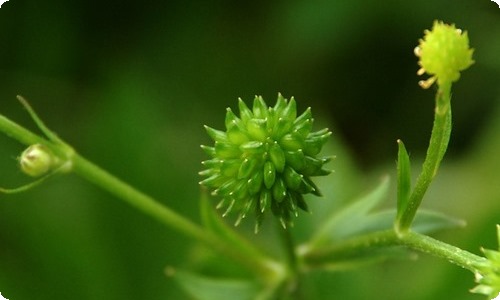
[264, 160]
[444, 52]
[488, 276]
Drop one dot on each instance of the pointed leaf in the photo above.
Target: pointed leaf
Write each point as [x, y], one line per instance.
[426, 221]
[207, 288]
[404, 179]
[338, 225]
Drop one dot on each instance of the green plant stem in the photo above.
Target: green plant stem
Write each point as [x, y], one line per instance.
[250, 257]
[387, 238]
[19, 133]
[292, 287]
[438, 144]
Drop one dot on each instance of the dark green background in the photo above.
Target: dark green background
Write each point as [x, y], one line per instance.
[130, 83]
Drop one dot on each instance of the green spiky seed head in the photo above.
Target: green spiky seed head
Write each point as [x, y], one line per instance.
[444, 52]
[264, 160]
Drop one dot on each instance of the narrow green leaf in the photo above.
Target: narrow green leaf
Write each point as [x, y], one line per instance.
[404, 179]
[426, 221]
[339, 225]
[208, 288]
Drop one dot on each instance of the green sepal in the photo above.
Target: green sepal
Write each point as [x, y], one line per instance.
[404, 181]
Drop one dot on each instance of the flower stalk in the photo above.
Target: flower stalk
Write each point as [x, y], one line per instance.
[443, 53]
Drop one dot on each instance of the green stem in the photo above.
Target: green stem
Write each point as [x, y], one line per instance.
[248, 256]
[387, 238]
[19, 133]
[292, 286]
[438, 144]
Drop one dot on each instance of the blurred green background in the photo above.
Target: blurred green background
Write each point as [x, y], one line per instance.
[129, 84]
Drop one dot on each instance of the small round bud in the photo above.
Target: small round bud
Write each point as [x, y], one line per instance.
[444, 52]
[36, 160]
[264, 160]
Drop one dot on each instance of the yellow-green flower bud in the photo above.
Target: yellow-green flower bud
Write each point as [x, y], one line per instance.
[36, 160]
[444, 52]
[264, 160]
